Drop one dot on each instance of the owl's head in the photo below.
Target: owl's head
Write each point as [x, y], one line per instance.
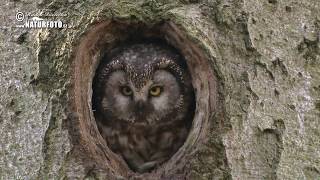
[144, 84]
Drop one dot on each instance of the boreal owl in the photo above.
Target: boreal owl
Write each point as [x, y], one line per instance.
[144, 103]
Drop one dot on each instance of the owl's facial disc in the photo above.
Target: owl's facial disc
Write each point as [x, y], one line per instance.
[148, 104]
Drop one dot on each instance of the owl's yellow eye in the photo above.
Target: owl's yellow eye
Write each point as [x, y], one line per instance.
[155, 91]
[126, 90]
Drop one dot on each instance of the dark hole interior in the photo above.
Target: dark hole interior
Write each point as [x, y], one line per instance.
[143, 101]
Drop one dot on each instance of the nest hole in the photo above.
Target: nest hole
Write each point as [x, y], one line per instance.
[104, 36]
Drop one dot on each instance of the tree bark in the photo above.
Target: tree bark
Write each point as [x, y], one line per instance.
[265, 56]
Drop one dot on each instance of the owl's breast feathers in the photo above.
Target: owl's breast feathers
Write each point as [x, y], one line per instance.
[140, 144]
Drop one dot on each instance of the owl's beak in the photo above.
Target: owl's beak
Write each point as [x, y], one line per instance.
[140, 106]
[140, 110]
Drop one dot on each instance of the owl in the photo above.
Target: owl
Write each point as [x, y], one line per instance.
[144, 103]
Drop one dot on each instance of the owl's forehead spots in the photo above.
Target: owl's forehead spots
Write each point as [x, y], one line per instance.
[139, 61]
[139, 76]
[143, 52]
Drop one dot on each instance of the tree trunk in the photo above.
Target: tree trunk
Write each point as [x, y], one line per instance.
[259, 62]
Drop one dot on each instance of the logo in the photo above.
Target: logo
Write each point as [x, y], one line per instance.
[35, 21]
[19, 16]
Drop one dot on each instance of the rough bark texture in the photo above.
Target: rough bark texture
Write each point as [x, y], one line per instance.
[266, 56]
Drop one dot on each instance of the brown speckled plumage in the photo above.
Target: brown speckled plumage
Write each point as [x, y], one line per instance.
[144, 130]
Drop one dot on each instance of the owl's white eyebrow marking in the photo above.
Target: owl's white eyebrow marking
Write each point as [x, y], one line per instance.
[123, 81]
